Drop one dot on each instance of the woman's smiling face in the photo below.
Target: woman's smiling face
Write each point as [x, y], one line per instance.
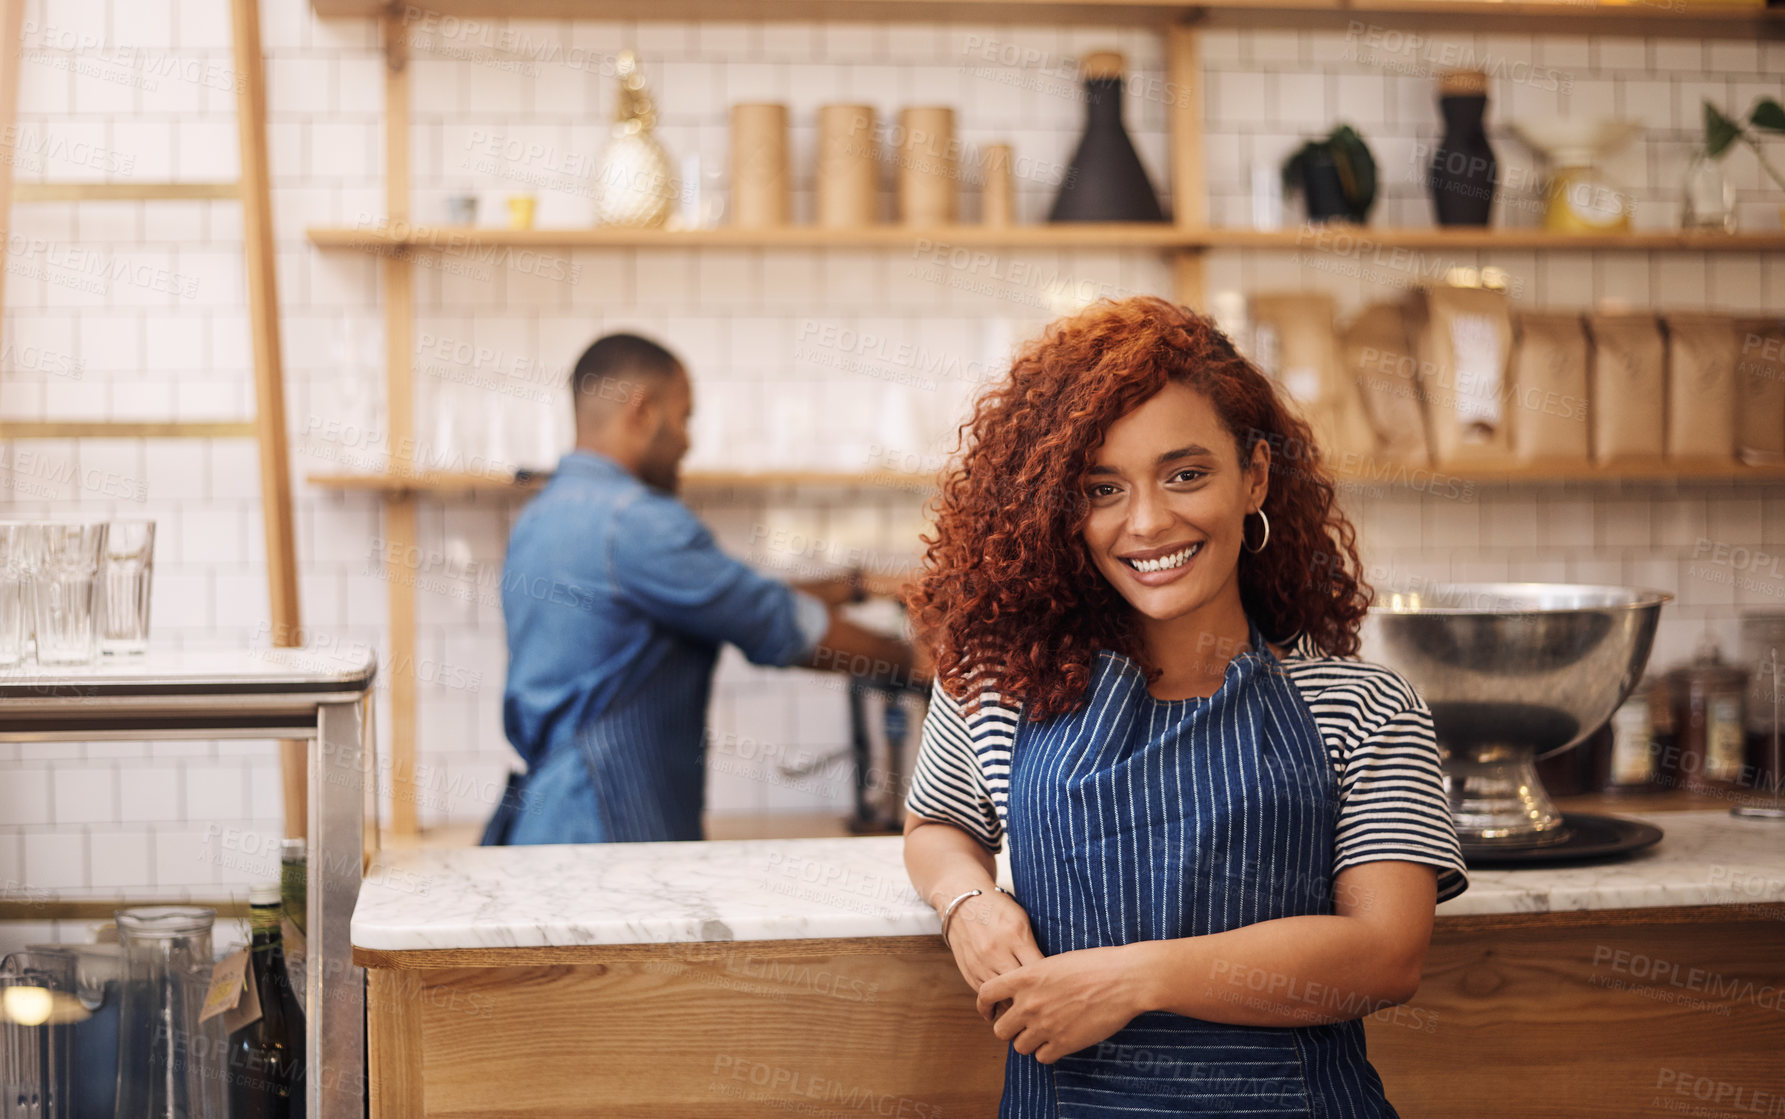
[1168, 502]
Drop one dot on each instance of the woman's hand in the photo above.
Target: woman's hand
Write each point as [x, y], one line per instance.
[1061, 1004]
[990, 935]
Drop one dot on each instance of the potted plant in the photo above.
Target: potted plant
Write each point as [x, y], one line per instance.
[1708, 201]
[1336, 175]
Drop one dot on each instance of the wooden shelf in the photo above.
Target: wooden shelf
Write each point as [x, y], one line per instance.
[1343, 239]
[102, 908]
[1640, 17]
[1557, 17]
[1349, 239]
[1647, 470]
[1100, 235]
[1408, 475]
[1143, 13]
[874, 479]
[127, 429]
[125, 192]
[429, 482]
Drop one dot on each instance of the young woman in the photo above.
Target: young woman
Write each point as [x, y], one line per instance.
[1227, 835]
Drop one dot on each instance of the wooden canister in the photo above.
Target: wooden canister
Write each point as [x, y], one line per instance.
[761, 185]
[927, 166]
[848, 166]
[997, 192]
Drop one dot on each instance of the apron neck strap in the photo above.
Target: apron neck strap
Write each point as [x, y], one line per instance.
[1259, 647]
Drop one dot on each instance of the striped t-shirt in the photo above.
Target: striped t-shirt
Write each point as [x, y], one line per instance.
[1377, 730]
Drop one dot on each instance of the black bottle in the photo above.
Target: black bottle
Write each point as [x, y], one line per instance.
[1105, 180]
[266, 1057]
[1464, 173]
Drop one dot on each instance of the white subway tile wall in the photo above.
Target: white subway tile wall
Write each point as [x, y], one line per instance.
[828, 359]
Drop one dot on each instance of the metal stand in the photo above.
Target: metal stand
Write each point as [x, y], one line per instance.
[275, 694]
[870, 817]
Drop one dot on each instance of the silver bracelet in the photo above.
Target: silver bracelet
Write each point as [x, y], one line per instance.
[949, 912]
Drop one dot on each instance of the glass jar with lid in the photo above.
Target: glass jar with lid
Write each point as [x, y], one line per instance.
[1642, 742]
[1708, 698]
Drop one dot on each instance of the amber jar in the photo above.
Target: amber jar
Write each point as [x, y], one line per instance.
[1708, 698]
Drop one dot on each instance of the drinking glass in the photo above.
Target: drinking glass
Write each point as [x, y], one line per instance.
[16, 563]
[66, 588]
[126, 570]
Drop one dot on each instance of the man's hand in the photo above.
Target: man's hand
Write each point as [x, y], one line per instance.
[890, 584]
[1061, 1004]
[990, 935]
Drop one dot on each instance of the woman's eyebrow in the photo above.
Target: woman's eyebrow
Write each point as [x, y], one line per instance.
[1181, 452]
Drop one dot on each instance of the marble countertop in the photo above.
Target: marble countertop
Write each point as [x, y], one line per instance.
[788, 889]
[160, 671]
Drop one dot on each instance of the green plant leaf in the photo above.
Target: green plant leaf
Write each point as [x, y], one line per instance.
[1719, 131]
[1767, 114]
[1357, 169]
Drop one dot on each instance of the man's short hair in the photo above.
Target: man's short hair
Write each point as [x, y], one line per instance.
[615, 367]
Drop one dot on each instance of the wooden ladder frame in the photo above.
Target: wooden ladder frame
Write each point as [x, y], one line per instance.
[252, 189]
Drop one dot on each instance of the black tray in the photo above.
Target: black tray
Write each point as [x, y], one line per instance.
[1593, 838]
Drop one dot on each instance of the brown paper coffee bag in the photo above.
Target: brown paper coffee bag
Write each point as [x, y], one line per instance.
[1465, 347]
[1294, 343]
[1627, 389]
[1380, 361]
[1701, 386]
[1549, 380]
[1760, 390]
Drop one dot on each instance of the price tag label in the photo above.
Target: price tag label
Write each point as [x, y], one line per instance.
[231, 995]
[226, 985]
[243, 1013]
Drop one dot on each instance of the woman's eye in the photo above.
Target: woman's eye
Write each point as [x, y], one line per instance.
[1101, 489]
[1188, 474]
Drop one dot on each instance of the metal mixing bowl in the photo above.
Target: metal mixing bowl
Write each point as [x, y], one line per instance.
[1513, 672]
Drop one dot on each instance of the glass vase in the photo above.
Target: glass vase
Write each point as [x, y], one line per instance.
[170, 1065]
[1707, 201]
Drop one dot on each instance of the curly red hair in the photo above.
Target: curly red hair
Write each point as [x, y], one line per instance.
[1010, 600]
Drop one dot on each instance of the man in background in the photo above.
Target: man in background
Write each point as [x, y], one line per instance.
[616, 599]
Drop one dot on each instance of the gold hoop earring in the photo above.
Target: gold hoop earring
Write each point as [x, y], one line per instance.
[1261, 543]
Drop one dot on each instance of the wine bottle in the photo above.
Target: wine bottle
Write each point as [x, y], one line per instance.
[266, 1056]
[293, 892]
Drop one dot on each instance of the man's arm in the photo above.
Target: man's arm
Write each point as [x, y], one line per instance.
[839, 591]
[860, 652]
[667, 563]
[664, 562]
[845, 589]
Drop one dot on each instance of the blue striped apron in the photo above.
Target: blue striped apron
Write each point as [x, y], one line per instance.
[635, 773]
[1141, 819]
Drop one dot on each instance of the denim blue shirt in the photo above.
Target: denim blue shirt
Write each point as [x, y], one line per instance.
[616, 599]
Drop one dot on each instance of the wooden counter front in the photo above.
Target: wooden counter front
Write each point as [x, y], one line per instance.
[1613, 1014]
[873, 1026]
[1602, 1014]
[801, 977]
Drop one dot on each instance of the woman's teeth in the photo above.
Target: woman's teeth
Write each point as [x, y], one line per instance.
[1166, 563]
